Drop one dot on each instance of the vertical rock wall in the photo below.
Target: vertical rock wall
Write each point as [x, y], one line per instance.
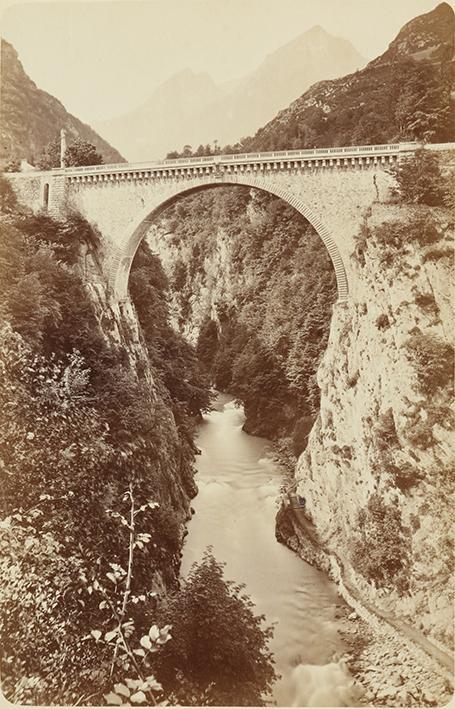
[379, 436]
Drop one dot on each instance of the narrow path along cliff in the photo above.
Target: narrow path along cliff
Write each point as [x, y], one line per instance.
[403, 628]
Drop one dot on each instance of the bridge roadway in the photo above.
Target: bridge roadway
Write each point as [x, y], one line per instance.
[223, 165]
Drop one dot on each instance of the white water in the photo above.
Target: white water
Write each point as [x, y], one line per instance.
[235, 513]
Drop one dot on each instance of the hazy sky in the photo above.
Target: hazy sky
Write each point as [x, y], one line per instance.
[104, 57]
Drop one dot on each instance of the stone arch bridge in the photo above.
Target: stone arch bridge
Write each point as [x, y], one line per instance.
[332, 187]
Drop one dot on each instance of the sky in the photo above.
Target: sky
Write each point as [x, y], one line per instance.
[103, 58]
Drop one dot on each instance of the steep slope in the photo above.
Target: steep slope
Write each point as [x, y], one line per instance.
[97, 405]
[191, 109]
[405, 94]
[31, 118]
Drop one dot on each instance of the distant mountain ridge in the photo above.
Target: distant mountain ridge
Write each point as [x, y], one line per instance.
[191, 109]
[407, 93]
[30, 118]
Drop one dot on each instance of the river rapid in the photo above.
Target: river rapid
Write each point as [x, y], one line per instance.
[239, 483]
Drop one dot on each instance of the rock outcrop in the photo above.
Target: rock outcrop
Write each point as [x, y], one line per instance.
[377, 474]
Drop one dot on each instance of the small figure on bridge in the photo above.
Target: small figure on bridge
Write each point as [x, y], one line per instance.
[301, 500]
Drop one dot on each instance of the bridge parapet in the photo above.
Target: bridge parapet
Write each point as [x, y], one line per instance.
[342, 157]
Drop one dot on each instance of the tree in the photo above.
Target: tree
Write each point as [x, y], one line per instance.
[78, 153]
[82, 153]
[50, 157]
[419, 179]
[219, 652]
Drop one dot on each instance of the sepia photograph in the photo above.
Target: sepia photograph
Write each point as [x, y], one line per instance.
[227, 449]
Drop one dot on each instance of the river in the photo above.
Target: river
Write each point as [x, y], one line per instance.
[239, 483]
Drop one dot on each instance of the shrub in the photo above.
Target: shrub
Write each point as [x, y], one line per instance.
[436, 254]
[427, 302]
[219, 652]
[207, 342]
[419, 179]
[382, 322]
[382, 551]
[385, 431]
[406, 476]
[433, 360]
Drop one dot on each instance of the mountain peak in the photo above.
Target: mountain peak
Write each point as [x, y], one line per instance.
[316, 29]
[427, 36]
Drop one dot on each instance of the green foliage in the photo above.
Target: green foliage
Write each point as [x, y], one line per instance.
[207, 343]
[8, 199]
[50, 157]
[385, 431]
[169, 352]
[419, 179]
[219, 652]
[382, 322]
[406, 476]
[401, 236]
[381, 551]
[13, 165]
[433, 360]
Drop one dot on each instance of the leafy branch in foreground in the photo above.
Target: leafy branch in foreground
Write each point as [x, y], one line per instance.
[130, 653]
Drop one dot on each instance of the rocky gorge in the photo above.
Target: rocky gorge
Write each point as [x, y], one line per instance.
[105, 399]
[376, 472]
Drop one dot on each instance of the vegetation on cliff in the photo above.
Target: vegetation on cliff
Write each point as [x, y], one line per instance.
[219, 653]
[407, 447]
[79, 152]
[255, 282]
[95, 465]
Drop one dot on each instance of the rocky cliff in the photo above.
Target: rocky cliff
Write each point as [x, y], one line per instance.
[377, 474]
[252, 285]
[30, 118]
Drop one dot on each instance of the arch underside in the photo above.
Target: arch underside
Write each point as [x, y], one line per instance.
[123, 258]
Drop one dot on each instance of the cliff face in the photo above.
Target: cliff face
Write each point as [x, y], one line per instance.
[31, 118]
[377, 474]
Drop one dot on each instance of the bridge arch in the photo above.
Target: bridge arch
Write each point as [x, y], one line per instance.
[123, 256]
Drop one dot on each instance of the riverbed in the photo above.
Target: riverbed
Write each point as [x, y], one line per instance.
[239, 484]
